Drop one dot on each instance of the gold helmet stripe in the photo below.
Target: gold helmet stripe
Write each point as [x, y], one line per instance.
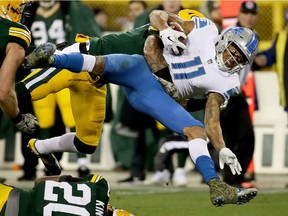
[187, 14]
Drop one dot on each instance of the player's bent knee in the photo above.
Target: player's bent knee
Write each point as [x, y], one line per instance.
[195, 132]
[83, 147]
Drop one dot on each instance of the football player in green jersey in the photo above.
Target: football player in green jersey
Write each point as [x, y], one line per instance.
[88, 117]
[14, 40]
[60, 195]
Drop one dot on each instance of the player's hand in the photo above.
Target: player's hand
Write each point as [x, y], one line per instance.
[170, 39]
[228, 157]
[169, 88]
[28, 124]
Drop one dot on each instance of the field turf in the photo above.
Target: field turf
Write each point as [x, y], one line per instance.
[168, 201]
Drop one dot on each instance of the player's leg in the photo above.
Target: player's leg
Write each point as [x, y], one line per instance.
[37, 86]
[64, 104]
[160, 106]
[88, 118]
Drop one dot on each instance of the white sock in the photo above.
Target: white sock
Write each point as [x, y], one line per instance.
[62, 143]
[197, 147]
[88, 63]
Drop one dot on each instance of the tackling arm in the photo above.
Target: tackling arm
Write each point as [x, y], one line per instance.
[14, 57]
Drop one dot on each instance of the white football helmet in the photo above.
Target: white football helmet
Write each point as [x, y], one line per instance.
[244, 40]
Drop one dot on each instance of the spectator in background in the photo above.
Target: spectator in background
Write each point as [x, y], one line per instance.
[248, 15]
[135, 8]
[212, 10]
[278, 54]
[235, 119]
[53, 21]
[171, 6]
[101, 18]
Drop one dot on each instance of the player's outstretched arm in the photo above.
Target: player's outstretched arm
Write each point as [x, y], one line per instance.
[214, 133]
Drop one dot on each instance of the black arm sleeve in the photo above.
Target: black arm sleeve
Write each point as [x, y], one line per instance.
[196, 104]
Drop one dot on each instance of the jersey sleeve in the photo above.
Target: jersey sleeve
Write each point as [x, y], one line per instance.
[19, 34]
[131, 42]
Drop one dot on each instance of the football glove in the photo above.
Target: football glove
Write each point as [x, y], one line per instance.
[169, 88]
[170, 39]
[28, 124]
[228, 157]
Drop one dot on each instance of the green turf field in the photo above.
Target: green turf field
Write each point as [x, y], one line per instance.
[195, 202]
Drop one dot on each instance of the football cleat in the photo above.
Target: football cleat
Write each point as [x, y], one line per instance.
[49, 160]
[222, 193]
[40, 57]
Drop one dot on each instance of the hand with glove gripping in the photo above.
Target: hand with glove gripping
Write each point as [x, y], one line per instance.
[226, 156]
[173, 39]
[26, 123]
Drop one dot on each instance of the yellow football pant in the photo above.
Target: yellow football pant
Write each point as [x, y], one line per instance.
[87, 102]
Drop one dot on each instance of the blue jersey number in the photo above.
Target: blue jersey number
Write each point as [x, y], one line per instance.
[195, 73]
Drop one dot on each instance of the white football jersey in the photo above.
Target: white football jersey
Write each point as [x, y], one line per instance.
[195, 72]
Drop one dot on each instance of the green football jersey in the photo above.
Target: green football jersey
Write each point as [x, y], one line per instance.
[131, 42]
[87, 197]
[49, 29]
[12, 32]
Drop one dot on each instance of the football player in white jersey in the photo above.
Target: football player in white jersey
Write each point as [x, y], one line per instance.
[196, 69]
[235, 48]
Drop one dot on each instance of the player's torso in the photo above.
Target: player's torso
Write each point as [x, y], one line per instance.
[50, 29]
[12, 32]
[195, 72]
[68, 198]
